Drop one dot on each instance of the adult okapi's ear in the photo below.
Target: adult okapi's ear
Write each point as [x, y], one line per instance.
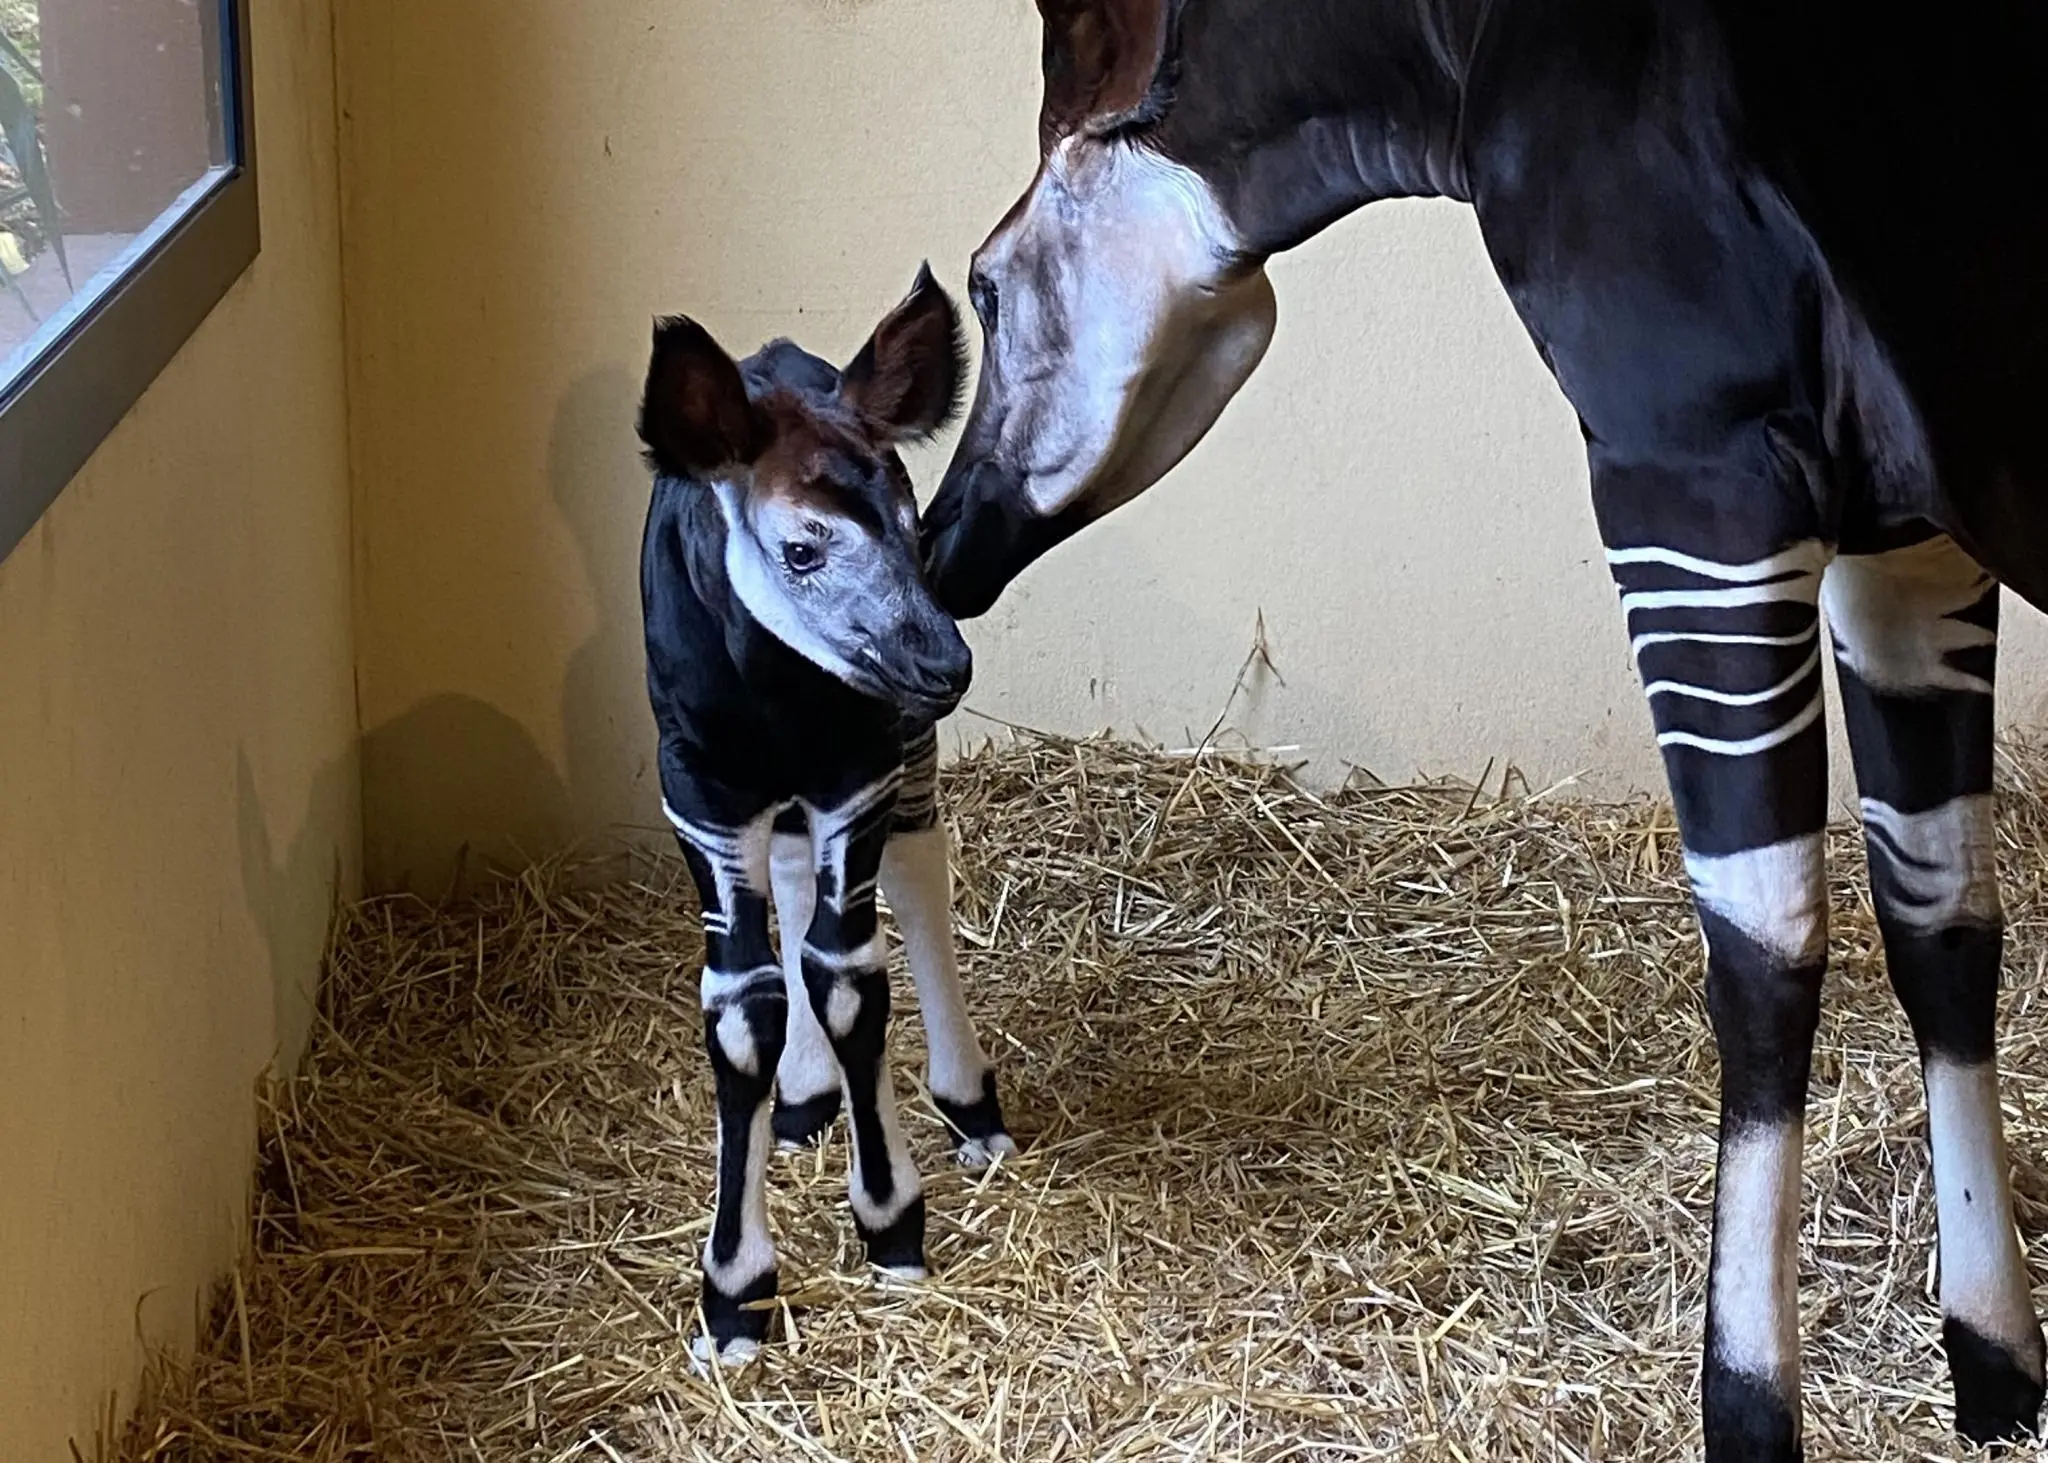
[1102, 61]
[694, 416]
[905, 383]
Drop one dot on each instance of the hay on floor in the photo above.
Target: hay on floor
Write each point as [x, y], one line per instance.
[1375, 1125]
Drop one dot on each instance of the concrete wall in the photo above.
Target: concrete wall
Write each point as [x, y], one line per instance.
[178, 796]
[1399, 493]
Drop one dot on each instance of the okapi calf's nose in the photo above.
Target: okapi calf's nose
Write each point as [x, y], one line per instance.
[933, 667]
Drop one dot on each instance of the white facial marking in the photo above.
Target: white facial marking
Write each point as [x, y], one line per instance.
[1776, 895]
[1122, 331]
[1756, 1257]
[1942, 863]
[1890, 616]
[1983, 1278]
[765, 591]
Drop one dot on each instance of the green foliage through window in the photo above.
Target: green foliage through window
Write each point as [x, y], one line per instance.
[29, 219]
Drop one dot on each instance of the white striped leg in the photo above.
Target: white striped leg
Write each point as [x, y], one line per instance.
[845, 965]
[745, 1013]
[918, 883]
[807, 1085]
[1915, 630]
[1728, 649]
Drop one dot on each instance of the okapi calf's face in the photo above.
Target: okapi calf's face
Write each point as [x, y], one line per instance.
[821, 524]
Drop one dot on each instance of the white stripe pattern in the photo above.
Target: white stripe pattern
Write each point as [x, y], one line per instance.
[738, 859]
[1792, 576]
[1892, 615]
[832, 829]
[1942, 863]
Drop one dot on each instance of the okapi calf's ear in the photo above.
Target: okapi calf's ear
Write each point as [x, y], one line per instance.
[694, 416]
[905, 383]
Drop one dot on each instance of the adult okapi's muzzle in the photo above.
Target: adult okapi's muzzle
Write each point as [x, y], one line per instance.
[980, 533]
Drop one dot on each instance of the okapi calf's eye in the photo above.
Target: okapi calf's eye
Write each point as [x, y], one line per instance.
[798, 665]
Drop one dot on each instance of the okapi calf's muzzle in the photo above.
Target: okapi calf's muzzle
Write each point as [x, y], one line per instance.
[797, 664]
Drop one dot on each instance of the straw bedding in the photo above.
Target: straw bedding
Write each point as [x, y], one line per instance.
[1371, 1125]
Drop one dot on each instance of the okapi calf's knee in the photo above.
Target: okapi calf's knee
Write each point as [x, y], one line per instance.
[798, 665]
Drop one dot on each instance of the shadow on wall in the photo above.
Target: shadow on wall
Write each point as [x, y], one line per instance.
[459, 789]
[292, 898]
[601, 488]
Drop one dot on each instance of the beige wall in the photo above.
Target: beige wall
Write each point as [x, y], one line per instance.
[178, 794]
[1400, 492]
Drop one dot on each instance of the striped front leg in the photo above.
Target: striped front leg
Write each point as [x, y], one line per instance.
[845, 966]
[918, 883]
[745, 1014]
[807, 1086]
[1729, 650]
[1916, 634]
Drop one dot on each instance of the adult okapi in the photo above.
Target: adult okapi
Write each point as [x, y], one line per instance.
[1789, 261]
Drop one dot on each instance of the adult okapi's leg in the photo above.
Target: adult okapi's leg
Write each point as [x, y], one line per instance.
[846, 969]
[807, 1084]
[1726, 636]
[745, 1011]
[1915, 630]
[918, 883]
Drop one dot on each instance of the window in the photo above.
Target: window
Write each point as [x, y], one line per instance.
[127, 208]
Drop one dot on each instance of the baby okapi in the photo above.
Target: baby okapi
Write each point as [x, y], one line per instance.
[798, 665]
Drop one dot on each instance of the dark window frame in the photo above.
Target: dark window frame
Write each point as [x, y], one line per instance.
[65, 402]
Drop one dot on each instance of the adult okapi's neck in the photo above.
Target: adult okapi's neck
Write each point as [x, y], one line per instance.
[1300, 111]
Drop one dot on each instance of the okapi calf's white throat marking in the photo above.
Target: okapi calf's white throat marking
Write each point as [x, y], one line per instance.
[797, 667]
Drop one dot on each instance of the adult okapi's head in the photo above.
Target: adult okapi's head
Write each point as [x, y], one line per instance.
[1119, 311]
[821, 531]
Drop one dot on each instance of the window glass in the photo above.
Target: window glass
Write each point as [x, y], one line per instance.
[111, 130]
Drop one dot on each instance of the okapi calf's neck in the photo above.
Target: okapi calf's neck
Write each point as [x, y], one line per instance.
[798, 665]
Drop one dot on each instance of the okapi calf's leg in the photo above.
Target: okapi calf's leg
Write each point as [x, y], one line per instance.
[917, 881]
[807, 1086]
[846, 972]
[1729, 649]
[745, 1015]
[1916, 629]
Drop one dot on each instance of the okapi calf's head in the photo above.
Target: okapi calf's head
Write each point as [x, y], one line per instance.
[821, 528]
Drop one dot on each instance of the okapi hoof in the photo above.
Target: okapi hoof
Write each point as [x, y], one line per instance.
[898, 1246]
[1746, 1421]
[737, 1324]
[978, 1125]
[804, 1124]
[1997, 1401]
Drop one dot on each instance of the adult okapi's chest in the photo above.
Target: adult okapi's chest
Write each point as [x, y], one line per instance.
[1808, 241]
